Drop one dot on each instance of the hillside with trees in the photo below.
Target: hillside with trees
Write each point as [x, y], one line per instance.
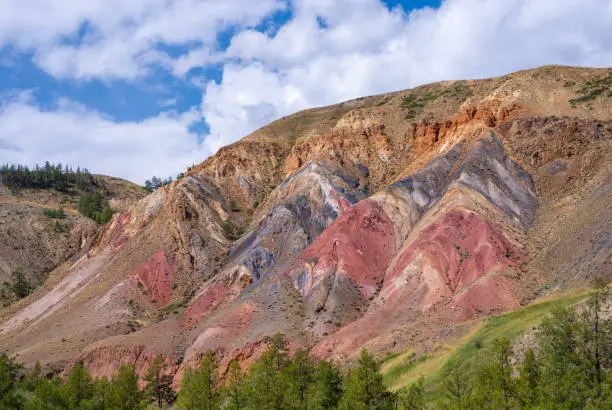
[48, 176]
[568, 368]
[44, 219]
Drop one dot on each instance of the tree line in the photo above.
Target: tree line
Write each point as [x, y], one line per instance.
[47, 176]
[156, 182]
[61, 178]
[568, 368]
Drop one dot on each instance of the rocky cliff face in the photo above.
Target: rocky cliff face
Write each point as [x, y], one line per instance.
[382, 222]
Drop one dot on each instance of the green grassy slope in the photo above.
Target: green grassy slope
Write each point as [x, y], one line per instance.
[403, 369]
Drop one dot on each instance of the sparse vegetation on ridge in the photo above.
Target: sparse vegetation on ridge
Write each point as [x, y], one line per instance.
[415, 102]
[592, 89]
[156, 182]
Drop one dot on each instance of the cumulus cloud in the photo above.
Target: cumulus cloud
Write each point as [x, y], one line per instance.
[328, 51]
[336, 50]
[115, 38]
[70, 133]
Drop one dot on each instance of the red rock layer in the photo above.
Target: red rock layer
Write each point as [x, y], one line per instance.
[463, 250]
[453, 270]
[359, 244]
[105, 361]
[156, 276]
[196, 311]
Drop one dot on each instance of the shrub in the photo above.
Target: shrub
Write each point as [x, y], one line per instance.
[58, 227]
[231, 231]
[55, 213]
[96, 207]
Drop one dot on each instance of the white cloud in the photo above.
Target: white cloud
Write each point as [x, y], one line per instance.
[367, 49]
[72, 134]
[122, 36]
[330, 50]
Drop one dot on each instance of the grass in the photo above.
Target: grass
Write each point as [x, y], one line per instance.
[404, 369]
[414, 103]
[593, 89]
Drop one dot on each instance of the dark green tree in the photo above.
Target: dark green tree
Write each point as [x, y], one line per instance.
[412, 397]
[107, 213]
[298, 377]
[563, 367]
[235, 394]
[96, 207]
[457, 387]
[49, 394]
[496, 388]
[159, 384]
[264, 384]
[327, 386]
[19, 286]
[78, 386]
[125, 394]
[200, 387]
[101, 395]
[9, 373]
[529, 379]
[364, 387]
[31, 379]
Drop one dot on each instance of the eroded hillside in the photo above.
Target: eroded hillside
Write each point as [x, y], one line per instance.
[34, 243]
[382, 222]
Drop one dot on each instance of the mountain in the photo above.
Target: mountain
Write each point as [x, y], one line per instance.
[389, 222]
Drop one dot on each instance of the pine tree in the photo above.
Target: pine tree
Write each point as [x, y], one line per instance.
[564, 377]
[496, 389]
[264, 385]
[199, 388]
[9, 371]
[101, 395]
[159, 385]
[50, 394]
[596, 334]
[529, 379]
[413, 396]
[107, 213]
[327, 386]
[57, 227]
[31, 379]
[364, 386]
[298, 376]
[78, 386]
[125, 394]
[20, 286]
[235, 389]
[457, 386]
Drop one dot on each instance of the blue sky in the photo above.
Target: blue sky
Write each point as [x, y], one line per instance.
[149, 87]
